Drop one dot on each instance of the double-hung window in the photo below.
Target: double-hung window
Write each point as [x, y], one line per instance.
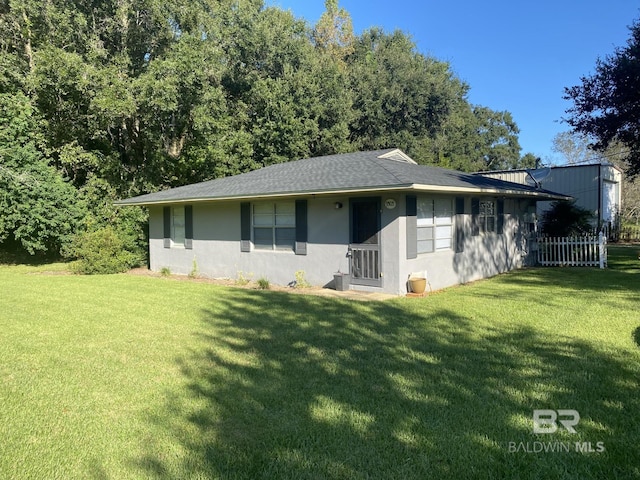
[177, 226]
[487, 216]
[434, 223]
[274, 226]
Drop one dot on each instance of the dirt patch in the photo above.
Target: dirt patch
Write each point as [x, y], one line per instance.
[225, 282]
[251, 285]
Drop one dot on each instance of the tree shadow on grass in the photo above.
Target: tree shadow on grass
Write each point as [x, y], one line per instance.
[636, 336]
[621, 277]
[290, 386]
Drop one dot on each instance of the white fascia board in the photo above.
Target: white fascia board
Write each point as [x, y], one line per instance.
[264, 196]
[488, 191]
[415, 187]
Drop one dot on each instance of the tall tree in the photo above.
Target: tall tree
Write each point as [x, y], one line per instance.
[477, 138]
[131, 96]
[529, 160]
[39, 211]
[401, 97]
[605, 104]
[294, 102]
[497, 139]
[333, 34]
[575, 148]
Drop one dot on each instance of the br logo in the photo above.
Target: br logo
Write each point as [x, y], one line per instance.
[544, 421]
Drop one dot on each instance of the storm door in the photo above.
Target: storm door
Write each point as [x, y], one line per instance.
[364, 249]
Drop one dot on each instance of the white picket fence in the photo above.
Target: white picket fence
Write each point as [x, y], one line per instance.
[582, 251]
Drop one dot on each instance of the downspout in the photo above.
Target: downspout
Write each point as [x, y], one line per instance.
[600, 185]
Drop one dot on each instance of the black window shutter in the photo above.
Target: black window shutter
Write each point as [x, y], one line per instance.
[412, 226]
[500, 219]
[475, 216]
[301, 227]
[188, 227]
[166, 215]
[245, 227]
[459, 224]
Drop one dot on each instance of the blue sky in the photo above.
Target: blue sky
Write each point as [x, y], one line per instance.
[516, 56]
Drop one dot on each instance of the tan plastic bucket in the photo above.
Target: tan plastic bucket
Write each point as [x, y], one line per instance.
[418, 285]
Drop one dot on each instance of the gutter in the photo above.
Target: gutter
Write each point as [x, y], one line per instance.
[413, 187]
[258, 196]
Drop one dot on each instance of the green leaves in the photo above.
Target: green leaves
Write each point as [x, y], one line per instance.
[102, 251]
[40, 211]
[565, 219]
[127, 97]
[605, 104]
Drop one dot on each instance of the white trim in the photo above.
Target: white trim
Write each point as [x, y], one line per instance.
[493, 191]
[267, 196]
[409, 187]
[483, 217]
[394, 154]
[272, 226]
[178, 236]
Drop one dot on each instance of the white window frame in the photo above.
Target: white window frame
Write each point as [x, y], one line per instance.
[488, 217]
[435, 224]
[273, 216]
[178, 226]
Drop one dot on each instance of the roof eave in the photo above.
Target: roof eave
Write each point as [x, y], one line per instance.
[300, 193]
[416, 187]
[492, 191]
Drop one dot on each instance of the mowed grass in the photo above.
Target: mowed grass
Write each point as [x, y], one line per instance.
[115, 377]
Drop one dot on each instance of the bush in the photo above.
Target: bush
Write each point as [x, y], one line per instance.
[101, 252]
[301, 280]
[263, 284]
[565, 219]
[130, 223]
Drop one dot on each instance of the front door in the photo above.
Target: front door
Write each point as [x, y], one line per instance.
[365, 242]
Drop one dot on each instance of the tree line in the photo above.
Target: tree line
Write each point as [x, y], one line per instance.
[101, 100]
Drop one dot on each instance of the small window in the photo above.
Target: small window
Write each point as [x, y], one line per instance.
[487, 216]
[274, 226]
[177, 226]
[434, 222]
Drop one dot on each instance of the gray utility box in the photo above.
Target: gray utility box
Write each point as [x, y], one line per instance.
[342, 281]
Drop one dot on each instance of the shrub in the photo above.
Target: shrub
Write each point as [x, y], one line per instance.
[130, 223]
[263, 284]
[194, 269]
[301, 281]
[165, 271]
[565, 219]
[242, 280]
[101, 252]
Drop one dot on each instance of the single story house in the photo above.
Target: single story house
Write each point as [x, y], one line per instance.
[596, 187]
[376, 215]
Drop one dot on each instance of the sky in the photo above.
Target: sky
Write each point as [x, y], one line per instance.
[515, 55]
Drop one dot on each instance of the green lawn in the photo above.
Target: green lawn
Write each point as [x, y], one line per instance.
[115, 377]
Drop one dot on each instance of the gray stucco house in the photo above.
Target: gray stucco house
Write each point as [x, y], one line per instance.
[376, 215]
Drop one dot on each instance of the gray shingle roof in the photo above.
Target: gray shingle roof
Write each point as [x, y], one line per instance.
[380, 170]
